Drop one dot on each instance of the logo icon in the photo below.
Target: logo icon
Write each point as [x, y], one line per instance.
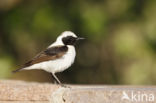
[137, 96]
[125, 96]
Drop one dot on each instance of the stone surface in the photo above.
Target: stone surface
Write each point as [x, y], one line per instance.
[25, 92]
[111, 94]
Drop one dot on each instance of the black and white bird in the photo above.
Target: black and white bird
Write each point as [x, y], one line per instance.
[59, 56]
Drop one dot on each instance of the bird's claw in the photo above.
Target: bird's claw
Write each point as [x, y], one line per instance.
[65, 86]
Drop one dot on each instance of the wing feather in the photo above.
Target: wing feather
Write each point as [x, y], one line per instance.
[51, 53]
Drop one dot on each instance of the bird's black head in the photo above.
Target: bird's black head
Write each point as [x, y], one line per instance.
[70, 40]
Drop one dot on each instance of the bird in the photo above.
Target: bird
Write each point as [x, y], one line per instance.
[57, 57]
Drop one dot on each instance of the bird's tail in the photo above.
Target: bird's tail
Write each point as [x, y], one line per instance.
[17, 70]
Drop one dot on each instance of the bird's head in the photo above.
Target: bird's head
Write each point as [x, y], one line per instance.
[68, 38]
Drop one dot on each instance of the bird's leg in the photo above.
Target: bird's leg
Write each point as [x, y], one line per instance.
[58, 81]
[53, 79]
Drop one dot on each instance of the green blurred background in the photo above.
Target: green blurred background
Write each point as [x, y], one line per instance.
[120, 45]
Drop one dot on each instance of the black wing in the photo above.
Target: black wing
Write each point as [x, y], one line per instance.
[46, 55]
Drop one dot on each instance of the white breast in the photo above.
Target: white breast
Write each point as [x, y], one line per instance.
[64, 62]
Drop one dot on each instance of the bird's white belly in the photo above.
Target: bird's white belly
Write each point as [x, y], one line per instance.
[57, 65]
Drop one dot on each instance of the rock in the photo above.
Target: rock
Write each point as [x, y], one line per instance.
[12, 91]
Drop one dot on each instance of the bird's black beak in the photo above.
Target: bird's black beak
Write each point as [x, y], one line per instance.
[80, 38]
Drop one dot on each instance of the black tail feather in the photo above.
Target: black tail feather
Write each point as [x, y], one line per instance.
[17, 70]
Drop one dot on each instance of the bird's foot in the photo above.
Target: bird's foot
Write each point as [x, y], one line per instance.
[65, 86]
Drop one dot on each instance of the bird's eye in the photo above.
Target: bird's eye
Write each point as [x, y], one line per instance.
[69, 40]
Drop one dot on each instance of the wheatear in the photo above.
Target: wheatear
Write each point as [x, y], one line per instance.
[57, 57]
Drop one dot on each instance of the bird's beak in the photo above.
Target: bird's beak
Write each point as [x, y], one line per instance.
[80, 38]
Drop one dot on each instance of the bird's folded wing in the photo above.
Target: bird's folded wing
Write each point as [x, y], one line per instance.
[51, 53]
[48, 54]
